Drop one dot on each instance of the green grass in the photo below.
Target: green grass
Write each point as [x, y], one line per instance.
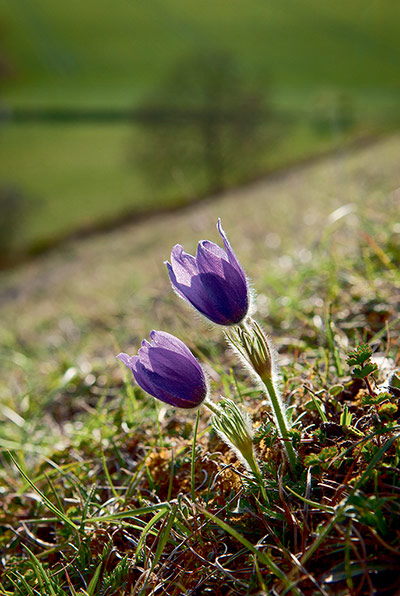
[100, 493]
[307, 57]
[65, 191]
[89, 54]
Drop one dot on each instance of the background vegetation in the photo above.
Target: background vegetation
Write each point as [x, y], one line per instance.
[109, 111]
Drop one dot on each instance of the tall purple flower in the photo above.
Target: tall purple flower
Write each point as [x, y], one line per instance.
[166, 369]
[212, 281]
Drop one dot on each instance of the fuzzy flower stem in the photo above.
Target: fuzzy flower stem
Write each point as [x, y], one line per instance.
[280, 419]
[211, 406]
[252, 344]
[255, 468]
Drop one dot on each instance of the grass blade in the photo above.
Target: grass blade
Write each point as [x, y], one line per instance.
[41, 573]
[127, 514]
[165, 533]
[261, 556]
[93, 582]
[146, 530]
[45, 500]
[332, 344]
[107, 473]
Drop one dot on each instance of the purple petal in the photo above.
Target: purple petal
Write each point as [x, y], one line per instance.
[225, 285]
[183, 264]
[129, 361]
[165, 340]
[196, 294]
[212, 249]
[152, 388]
[125, 358]
[210, 261]
[176, 366]
[167, 370]
[180, 288]
[143, 354]
[231, 255]
[178, 375]
[229, 296]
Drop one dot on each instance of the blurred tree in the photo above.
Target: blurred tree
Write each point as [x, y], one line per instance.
[204, 127]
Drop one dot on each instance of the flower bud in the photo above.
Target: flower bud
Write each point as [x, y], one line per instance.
[251, 343]
[233, 425]
[166, 369]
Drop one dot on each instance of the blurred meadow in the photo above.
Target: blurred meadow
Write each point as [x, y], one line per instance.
[114, 122]
[108, 112]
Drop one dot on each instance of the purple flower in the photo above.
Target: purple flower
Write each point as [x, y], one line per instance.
[212, 281]
[166, 369]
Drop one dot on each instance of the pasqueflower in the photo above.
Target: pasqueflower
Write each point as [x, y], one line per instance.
[166, 369]
[213, 281]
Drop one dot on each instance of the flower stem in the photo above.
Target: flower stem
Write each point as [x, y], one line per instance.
[211, 406]
[192, 467]
[280, 419]
[255, 468]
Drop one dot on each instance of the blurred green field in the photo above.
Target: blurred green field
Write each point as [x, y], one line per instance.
[328, 71]
[96, 54]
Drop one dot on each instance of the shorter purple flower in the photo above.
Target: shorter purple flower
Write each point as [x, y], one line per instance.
[166, 369]
[213, 281]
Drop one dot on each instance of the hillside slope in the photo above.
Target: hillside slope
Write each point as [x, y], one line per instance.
[84, 297]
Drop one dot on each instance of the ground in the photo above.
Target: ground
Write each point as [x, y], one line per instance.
[321, 246]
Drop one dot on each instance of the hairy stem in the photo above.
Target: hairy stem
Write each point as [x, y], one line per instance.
[211, 406]
[281, 421]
